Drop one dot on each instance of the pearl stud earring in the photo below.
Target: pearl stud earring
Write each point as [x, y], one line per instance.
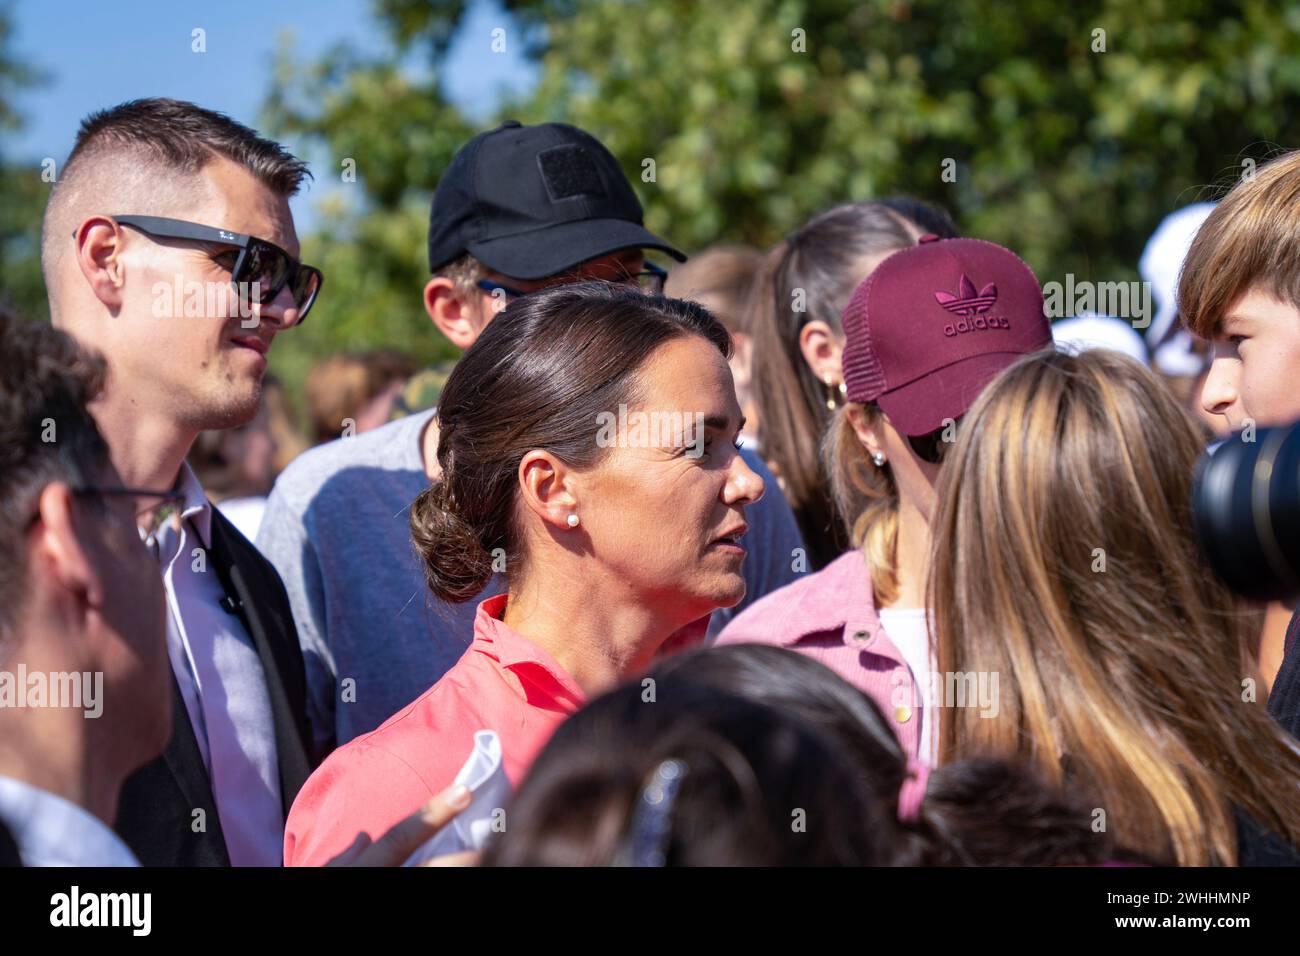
[573, 521]
[878, 458]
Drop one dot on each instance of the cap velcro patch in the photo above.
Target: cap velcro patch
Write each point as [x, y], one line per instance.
[568, 171]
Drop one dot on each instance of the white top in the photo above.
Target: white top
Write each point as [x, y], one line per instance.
[906, 628]
[224, 688]
[245, 514]
[52, 831]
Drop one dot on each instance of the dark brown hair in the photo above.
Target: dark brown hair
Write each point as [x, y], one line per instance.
[817, 267]
[171, 136]
[46, 434]
[537, 378]
[184, 137]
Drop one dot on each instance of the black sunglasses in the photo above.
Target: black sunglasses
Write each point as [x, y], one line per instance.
[259, 261]
[649, 280]
[932, 446]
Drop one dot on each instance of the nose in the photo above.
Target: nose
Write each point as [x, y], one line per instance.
[1219, 392]
[744, 485]
[281, 311]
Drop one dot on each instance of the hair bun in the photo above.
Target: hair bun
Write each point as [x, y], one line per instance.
[456, 565]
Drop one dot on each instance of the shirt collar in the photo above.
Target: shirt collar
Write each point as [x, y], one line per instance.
[198, 509]
[842, 599]
[52, 831]
[518, 654]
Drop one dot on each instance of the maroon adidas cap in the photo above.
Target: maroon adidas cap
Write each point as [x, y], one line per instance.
[934, 323]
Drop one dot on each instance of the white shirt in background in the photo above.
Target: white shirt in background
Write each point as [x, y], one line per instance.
[906, 627]
[244, 513]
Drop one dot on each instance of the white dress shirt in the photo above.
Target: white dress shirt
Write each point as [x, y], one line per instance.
[223, 685]
[52, 831]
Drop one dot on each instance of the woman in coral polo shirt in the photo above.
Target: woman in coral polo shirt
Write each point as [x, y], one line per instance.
[588, 454]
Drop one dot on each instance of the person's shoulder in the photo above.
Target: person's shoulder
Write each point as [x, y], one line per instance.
[388, 447]
[814, 603]
[361, 787]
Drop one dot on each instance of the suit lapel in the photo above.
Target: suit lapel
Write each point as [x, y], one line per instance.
[183, 757]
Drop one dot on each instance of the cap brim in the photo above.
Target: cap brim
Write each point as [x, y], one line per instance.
[923, 405]
[558, 248]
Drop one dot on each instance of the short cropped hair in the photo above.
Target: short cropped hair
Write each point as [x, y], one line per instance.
[1251, 239]
[160, 137]
[46, 435]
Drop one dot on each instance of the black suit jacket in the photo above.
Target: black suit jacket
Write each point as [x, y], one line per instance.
[8, 848]
[156, 812]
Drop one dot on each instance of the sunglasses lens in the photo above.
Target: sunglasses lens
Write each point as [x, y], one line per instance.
[266, 266]
[305, 286]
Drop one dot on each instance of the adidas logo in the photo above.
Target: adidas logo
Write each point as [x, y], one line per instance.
[971, 306]
[969, 302]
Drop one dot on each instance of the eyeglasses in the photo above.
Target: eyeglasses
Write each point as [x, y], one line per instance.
[258, 261]
[169, 510]
[649, 280]
[933, 446]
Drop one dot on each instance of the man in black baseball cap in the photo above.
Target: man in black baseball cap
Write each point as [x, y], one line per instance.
[536, 202]
[519, 208]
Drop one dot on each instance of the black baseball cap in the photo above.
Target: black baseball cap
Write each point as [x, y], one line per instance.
[533, 201]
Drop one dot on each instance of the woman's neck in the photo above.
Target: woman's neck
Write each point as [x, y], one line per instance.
[911, 556]
[598, 641]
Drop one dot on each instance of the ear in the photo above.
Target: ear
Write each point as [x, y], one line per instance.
[821, 350]
[547, 488]
[99, 243]
[456, 316]
[869, 428]
[58, 544]
[742, 358]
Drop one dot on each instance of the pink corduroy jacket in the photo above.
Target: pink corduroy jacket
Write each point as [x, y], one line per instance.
[831, 616]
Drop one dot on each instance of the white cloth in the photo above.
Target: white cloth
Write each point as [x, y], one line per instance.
[1091, 330]
[1160, 265]
[245, 514]
[906, 627]
[52, 831]
[223, 686]
[486, 778]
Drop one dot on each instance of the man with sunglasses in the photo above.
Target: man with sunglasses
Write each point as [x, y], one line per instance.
[519, 209]
[163, 202]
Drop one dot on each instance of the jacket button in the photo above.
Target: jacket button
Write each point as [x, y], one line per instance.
[860, 635]
[902, 713]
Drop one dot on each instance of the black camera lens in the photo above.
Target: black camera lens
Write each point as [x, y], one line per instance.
[1247, 511]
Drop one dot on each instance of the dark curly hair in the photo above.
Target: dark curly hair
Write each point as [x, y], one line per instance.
[46, 434]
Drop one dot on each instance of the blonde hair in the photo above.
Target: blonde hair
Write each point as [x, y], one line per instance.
[1251, 238]
[867, 497]
[1064, 560]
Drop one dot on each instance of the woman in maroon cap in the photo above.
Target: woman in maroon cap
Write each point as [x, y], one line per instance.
[926, 331]
[803, 286]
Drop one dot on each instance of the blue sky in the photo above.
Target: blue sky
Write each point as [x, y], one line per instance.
[95, 54]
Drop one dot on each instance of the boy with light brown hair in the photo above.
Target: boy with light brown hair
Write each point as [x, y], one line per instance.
[1240, 290]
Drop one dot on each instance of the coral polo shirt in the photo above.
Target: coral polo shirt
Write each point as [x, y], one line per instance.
[504, 682]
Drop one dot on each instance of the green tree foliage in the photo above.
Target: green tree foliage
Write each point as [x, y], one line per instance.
[1072, 129]
[22, 196]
